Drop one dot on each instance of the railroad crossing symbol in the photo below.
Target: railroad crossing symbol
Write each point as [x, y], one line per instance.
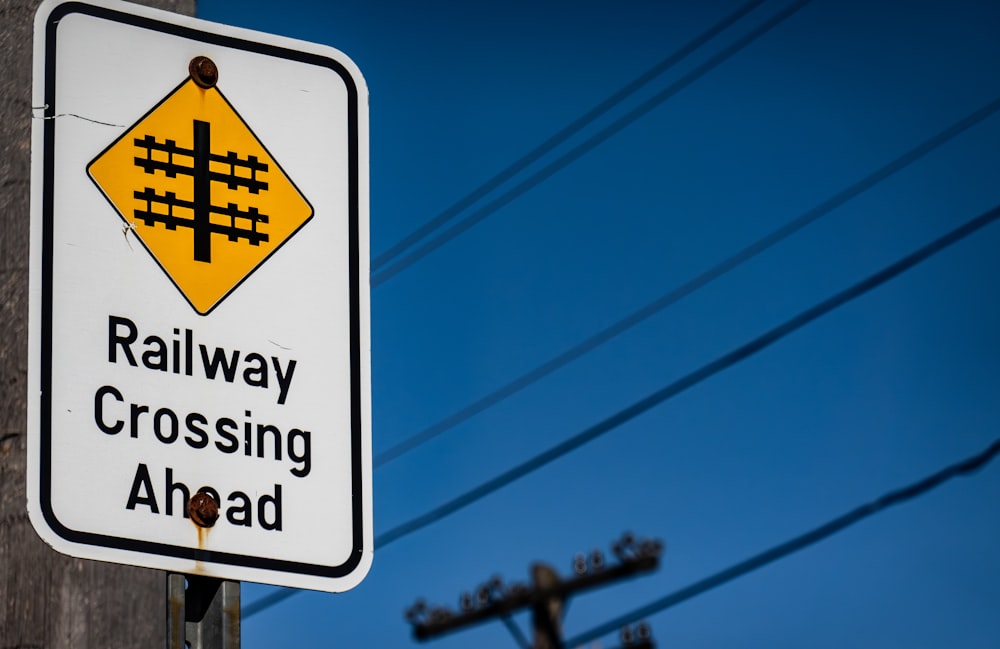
[200, 192]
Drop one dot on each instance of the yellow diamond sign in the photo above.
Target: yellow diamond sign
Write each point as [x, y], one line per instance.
[201, 192]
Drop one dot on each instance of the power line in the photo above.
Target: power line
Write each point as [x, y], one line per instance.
[567, 132]
[694, 378]
[587, 145]
[725, 361]
[515, 632]
[782, 550]
[692, 285]
[267, 601]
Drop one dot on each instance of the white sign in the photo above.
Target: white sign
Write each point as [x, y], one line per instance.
[199, 299]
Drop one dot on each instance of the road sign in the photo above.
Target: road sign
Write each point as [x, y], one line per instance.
[147, 162]
[199, 314]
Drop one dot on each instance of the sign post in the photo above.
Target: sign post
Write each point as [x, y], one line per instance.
[199, 364]
[203, 614]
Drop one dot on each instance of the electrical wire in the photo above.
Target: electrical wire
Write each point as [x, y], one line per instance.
[791, 546]
[567, 132]
[587, 145]
[267, 601]
[674, 295]
[694, 378]
[515, 631]
[721, 363]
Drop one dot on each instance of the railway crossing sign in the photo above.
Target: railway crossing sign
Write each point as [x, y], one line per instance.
[141, 159]
[199, 363]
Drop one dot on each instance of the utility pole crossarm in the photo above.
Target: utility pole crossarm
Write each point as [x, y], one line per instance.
[521, 596]
[545, 596]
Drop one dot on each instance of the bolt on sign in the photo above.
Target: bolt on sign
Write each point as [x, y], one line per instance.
[199, 363]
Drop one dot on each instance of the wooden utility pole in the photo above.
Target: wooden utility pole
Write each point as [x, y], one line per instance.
[47, 601]
[545, 596]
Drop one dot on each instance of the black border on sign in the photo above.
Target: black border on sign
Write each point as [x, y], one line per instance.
[45, 478]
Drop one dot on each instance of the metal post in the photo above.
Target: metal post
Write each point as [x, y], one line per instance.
[203, 615]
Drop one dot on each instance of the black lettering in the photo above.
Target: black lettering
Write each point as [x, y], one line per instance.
[142, 481]
[136, 411]
[245, 510]
[171, 488]
[284, 380]
[177, 352]
[201, 441]
[275, 501]
[218, 361]
[263, 429]
[124, 341]
[247, 434]
[303, 458]
[224, 427]
[260, 371]
[116, 427]
[155, 359]
[174, 427]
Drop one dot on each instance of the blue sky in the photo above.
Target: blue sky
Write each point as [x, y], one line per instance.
[875, 395]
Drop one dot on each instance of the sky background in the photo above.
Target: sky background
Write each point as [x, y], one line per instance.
[872, 396]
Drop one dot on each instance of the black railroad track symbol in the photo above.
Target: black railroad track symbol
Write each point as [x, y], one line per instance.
[243, 224]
